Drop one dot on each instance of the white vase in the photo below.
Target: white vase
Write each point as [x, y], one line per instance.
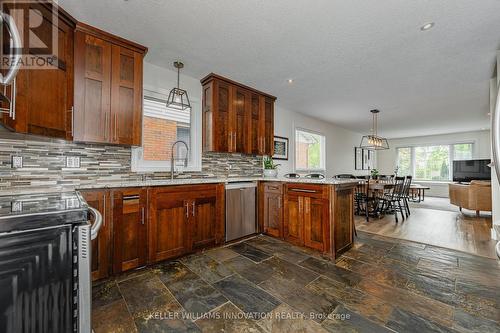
[270, 173]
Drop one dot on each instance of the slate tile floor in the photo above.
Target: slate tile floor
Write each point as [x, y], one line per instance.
[266, 285]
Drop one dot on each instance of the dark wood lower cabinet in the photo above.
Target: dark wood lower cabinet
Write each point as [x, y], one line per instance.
[101, 247]
[271, 208]
[184, 219]
[312, 212]
[129, 229]
[207, 220]
[307, 215]
[168, 222]
[144, 226]
[343, 214]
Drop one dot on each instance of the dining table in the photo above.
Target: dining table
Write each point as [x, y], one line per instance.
[375, 188]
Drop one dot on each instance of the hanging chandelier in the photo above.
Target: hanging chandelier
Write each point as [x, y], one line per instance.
[178, 98]
[373, 141]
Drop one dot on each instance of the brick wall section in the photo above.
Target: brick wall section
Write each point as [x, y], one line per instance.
[158, 136]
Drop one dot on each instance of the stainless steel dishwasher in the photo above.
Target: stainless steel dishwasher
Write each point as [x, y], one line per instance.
[240, 210]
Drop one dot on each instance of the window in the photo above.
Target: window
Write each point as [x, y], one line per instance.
[309, 151]
[432, 162]
[163, 126]
[462, 151]
[404, 161]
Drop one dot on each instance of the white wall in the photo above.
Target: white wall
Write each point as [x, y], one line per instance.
[482, 149]
[340, 142]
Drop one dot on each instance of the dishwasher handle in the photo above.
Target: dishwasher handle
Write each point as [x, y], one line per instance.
[235, 186]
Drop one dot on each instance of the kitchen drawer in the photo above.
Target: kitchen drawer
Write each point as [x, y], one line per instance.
[308, 190]
[273, 187]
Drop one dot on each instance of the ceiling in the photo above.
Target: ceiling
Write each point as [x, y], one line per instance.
[345, 56]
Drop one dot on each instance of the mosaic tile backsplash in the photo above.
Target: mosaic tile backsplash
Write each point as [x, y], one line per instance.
[44, 164]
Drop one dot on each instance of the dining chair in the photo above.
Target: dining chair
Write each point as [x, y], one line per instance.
[406, 195]
[345, 176]
[315, 176]
[292, 175]
[393, 199]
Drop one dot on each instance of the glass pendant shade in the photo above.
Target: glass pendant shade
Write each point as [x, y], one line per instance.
[373, 141]
[178, 98]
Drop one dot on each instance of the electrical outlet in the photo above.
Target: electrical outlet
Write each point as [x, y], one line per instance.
[17, 162]
[16, 206]
[72, 203]
[72, 161]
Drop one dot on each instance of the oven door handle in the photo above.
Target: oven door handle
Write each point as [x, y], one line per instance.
[94, 230]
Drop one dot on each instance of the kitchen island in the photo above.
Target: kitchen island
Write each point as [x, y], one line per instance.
[317, 214]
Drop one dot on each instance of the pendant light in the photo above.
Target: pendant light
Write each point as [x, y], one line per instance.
[178, 98]
[373, 141]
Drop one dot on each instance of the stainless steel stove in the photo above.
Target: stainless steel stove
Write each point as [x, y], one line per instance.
[45, 280]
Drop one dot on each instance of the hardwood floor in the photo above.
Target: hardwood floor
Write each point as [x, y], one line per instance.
[437, 224]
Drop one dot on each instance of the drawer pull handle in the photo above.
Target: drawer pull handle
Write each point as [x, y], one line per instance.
[303, 190]
[130, 197]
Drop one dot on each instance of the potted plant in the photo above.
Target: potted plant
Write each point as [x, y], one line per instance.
[270, 168]
[374, 173]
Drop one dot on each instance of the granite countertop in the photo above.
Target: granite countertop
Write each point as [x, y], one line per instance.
[195, 181]
[167, 182]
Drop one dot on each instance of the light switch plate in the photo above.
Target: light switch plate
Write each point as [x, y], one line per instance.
[72, 161]
[17, 162]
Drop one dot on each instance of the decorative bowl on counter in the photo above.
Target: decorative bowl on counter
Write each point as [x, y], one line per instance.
[270, 173]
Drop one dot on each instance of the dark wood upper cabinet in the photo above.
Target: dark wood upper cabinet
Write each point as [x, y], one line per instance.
[129, 229]
[92, 89]
[101, 247]
[44, 97]
[108, 88]
[256, 128]
[92, 93]
[268, 136]
[126, 96]
[236, 118]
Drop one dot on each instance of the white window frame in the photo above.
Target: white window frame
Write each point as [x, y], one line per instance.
[138, 164]
[451, 154]
[322, 155]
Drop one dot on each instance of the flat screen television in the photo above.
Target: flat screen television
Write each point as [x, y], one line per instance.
[468, 170]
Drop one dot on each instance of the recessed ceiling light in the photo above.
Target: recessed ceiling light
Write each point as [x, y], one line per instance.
[290, 81]
[427, 26]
